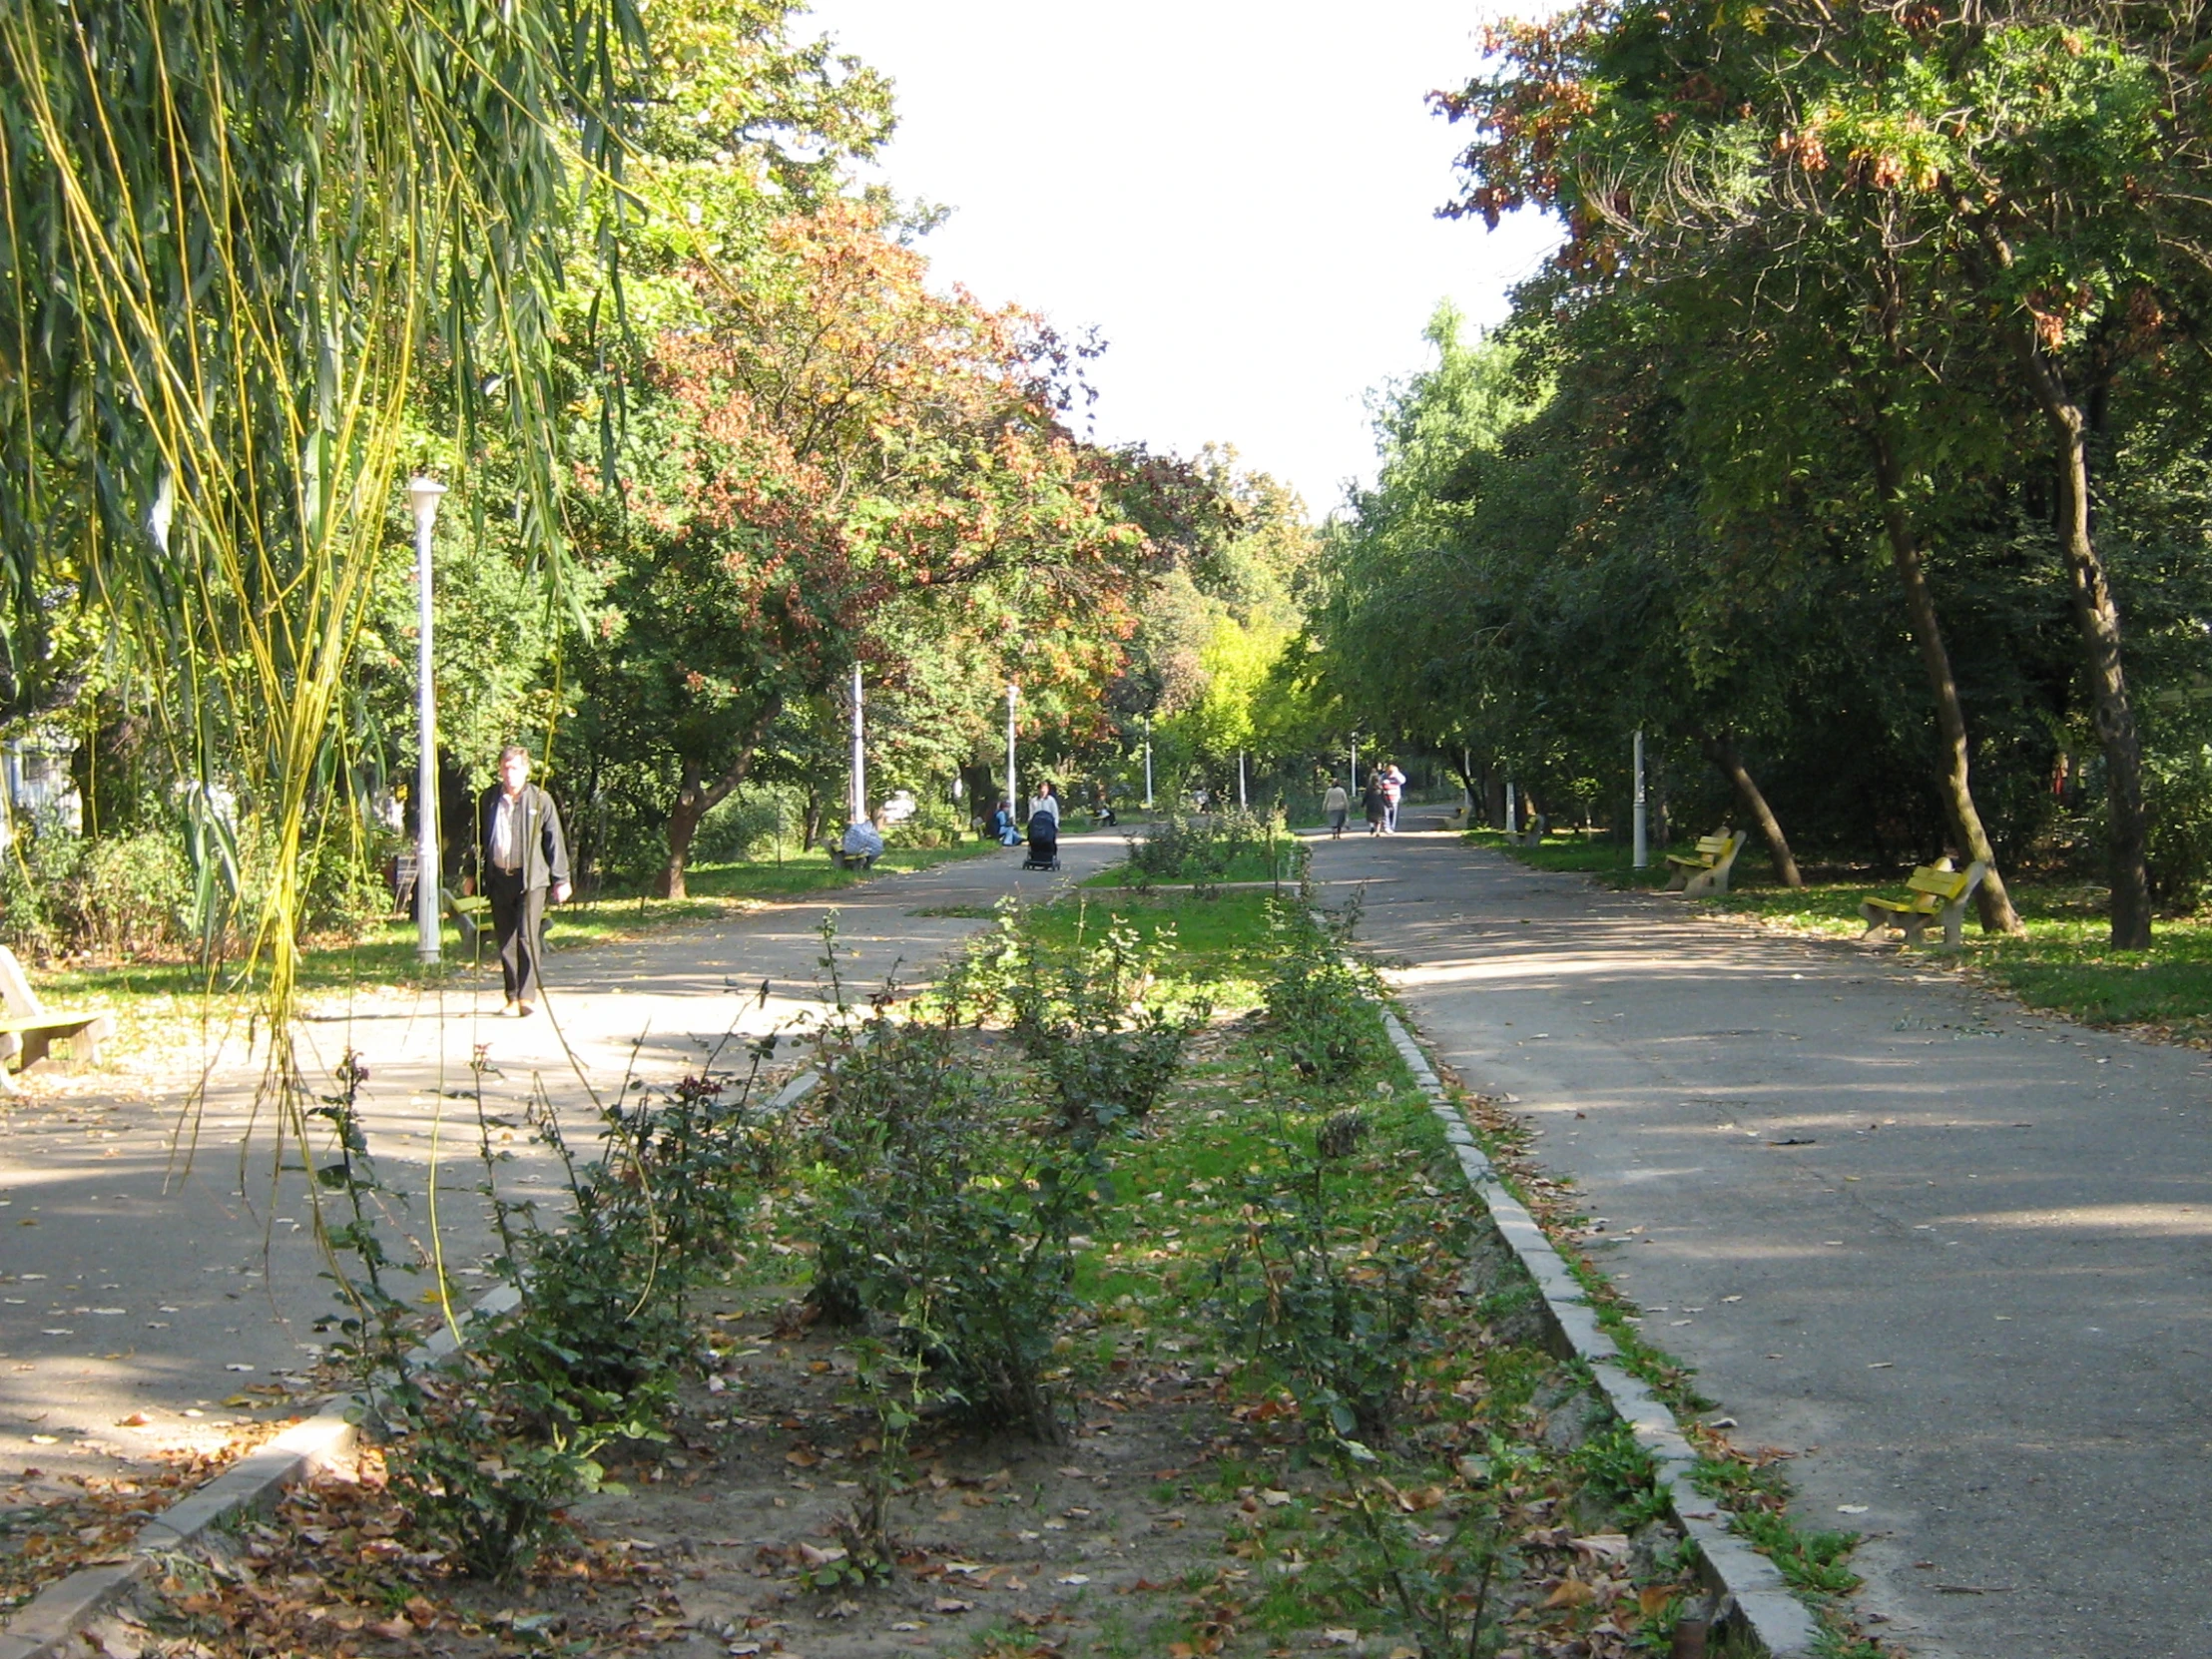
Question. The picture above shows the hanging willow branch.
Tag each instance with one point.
(233, 238)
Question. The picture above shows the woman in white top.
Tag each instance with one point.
(1047, 799)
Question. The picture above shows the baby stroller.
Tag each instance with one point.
(1044, 842)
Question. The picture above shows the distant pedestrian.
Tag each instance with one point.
(518, 838)
(1394, 790)
(1046, 800)
(1335, 805)
(1377, 809)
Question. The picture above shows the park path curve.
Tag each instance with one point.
(130, 1290)
(1953, 1256)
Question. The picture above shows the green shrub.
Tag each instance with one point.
(1319, 1004)
(1108, 1045)
(1341, 1334)
(941, 1225)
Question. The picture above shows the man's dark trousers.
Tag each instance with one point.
(518, 922)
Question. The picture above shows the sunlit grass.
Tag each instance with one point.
(385, 958)
(2063, 966)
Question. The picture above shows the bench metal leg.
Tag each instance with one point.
(1954, 925)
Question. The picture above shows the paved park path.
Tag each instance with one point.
(130, 1286)
(1954, 1255)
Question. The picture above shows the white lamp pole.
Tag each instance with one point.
(1013, 793)
(1643, 849)
(422, 496)
(1148, 762)
(1355, 763)
(1513, 810)
(859, 755)
(1241, 800)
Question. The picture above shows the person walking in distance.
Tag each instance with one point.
(1336, 806)
(1394, 790)
(518, 838)
(1371, 802)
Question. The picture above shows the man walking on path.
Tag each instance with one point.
(518, 833)
(1954, 1254)
(1394, 790)
(1335, 805)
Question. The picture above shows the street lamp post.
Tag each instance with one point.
(1355, 763)
(1013, 794)
(1148, 762)
(422, 496)
(859, 755)
(1241, 800)
(1643, 846)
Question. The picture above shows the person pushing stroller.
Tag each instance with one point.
(1044, 841)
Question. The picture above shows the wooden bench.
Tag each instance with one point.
(1706, 869)
(472, 915)
(851, 860)
(1932, 891)
(28, 1028)
(1533, 835)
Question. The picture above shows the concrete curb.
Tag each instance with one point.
(1765, 1613)
(44, 1626)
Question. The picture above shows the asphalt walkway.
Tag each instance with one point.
(137, 1286)
(1952, 1255)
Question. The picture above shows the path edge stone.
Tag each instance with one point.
(45, 1626)
(1755, 1598)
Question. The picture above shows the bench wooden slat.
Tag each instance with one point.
(1930, 892)
(1945, 885)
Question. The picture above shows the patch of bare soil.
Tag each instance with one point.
(1001, 1536)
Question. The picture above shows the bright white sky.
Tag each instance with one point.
(1238, 193)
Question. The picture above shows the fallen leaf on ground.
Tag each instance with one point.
(1571, 1592)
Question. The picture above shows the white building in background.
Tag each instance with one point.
(36, 787)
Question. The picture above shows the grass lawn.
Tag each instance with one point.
(145, 993)
(1224, 944)
(2063, 966)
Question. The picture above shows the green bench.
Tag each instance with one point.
(1932, 893)
(1706, 869)
(472, 915)
(29, 1029)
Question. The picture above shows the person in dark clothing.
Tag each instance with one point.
(1376, 805)
(518, 839)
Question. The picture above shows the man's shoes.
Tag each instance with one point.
(508, 1012)
(523, 1011)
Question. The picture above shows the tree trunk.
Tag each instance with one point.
(1720, 750)
(683, 823)
(2127, 835)
(1990, 899)
(695, 799)
(981, 786)
(810, 817)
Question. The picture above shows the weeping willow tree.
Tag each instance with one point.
(234, 242)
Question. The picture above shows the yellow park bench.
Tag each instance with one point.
(1932, 891)
(1706, 869)
(472, 915)
(28, 1028)
(1533, 835)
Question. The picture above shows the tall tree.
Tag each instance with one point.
(229, 236)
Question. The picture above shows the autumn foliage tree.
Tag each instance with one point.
(825, 452)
